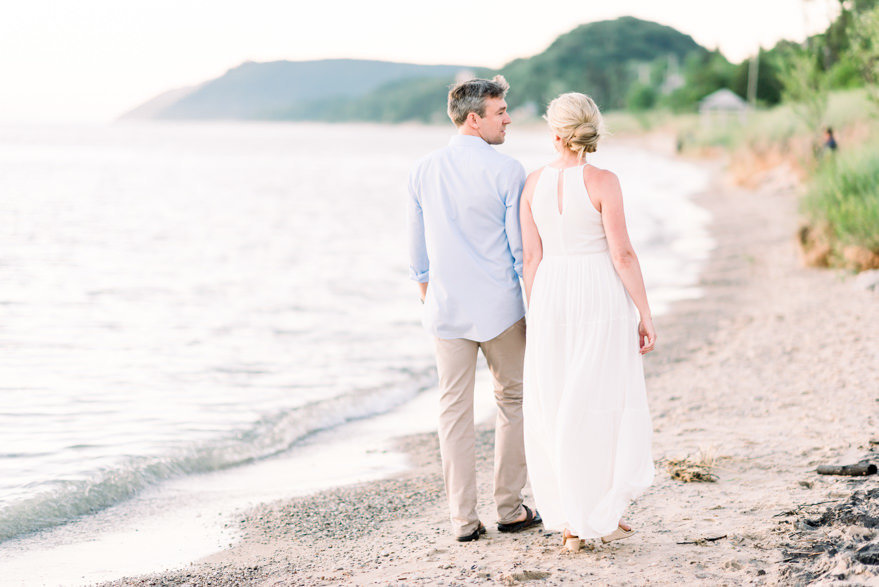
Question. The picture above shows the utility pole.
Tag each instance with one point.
(753, 72)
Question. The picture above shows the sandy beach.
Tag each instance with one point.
(772, 372)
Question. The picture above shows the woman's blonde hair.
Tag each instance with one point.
(576, 119)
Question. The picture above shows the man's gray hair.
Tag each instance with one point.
(469, 96)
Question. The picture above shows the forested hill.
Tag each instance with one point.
(607, 59)
(282, 89)
(603, 59)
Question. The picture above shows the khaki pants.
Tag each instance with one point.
(456, 366)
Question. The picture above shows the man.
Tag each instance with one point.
(466, 255)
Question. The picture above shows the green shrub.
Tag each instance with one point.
(844, 194)
(641, 97)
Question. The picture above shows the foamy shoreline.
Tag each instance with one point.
(774, 369)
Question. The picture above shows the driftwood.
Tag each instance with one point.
(856, 470)
(703, 540)
(799, 555)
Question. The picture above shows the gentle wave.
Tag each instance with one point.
(270, 436)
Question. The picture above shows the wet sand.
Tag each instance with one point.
(774, 371)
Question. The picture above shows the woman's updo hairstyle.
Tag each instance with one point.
(576, 119)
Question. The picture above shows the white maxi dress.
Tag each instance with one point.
(587, 424)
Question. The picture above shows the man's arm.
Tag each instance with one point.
(512, 221)
(419, 264)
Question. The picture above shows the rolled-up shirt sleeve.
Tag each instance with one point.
(512, 224)
(419, 264)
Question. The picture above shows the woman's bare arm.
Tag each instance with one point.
(605, 186)
(532, 247)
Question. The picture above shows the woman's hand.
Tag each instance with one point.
(646, 335)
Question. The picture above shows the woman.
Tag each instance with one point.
(587, 426)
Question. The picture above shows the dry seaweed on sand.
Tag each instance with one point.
(694, 470)
(837, 544)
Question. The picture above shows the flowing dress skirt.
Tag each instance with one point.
(587, 424)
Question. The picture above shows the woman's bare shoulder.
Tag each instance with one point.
(535, 175)
(600, 179)
(599, 174)
(531, 181)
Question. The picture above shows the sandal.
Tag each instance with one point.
(531, 519)
(617, 534)
(473, 535)
(570, 542)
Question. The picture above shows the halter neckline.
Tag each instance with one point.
(564, 168)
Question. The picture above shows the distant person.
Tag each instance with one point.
(466, 255)
(829, 140)
(587, 424)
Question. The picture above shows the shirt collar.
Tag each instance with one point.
(468, 141)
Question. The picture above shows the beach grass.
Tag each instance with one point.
(841, 190)
(764, 127)
(843, 195)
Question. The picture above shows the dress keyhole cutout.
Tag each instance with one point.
(561, 190)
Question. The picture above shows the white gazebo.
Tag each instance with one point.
(722, 107)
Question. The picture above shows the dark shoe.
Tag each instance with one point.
(473, 535)
(531, 519)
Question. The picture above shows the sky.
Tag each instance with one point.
(92, 60)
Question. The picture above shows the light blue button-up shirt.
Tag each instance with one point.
(464, 237)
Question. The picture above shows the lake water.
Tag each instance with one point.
(179, 299)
